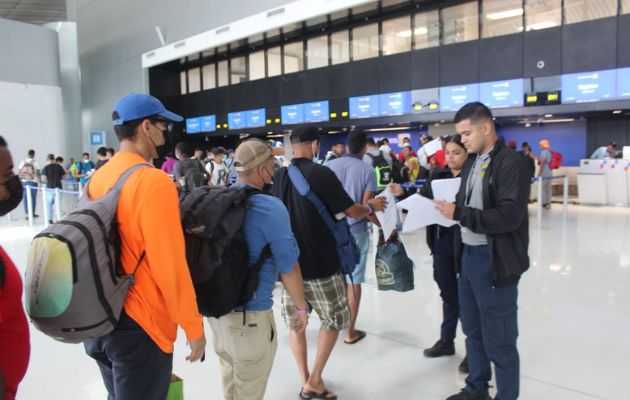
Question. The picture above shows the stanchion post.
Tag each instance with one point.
(29, 204)
(80, 189)
(58, 203)
(565, 194)
(539, 202)
(45, 195)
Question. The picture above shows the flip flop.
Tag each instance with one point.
(312, 395)
(360, 335)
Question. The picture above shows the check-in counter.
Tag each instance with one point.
(592, 187)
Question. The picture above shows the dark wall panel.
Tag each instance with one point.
(338, 76)
(590, 45)
(623, 41)
(603, 131)
(425, 68)
(316, 84)
(501, 58)
(546, 46)
(459, 63)
(393, 72)
(363, 77)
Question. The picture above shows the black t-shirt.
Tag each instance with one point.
(54, 174)
(318, 254)
(100, 163)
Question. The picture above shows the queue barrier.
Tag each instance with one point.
(45, 193)
(565, 193)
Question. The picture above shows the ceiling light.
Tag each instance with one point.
(398, 128)
(417, 31)
(551, 121)
(528, 125)
(505, 14)
(617, 112)
(541, 25)
(548, 115)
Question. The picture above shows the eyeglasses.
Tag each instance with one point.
(168, 125)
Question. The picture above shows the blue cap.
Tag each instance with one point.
(140, 105)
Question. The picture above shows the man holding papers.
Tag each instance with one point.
(491, 252)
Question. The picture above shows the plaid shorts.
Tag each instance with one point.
(328, 297)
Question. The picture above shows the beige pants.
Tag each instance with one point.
(246, 353)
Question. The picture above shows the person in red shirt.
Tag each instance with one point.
(14, 335)
(439, 158)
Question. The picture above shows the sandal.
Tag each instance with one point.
(312, 395)
(360, 336)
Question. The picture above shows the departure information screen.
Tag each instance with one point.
(237, 120)
(208, 123)
(588, 86)
(502, 94)
(452, 98)
(316, 112)
(193, 125)
(623, 82)
(398, 103)
(255, 118)
(293, 114)
(364, 106)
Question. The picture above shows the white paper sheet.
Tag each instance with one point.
(421, 213)
(389, 217)
(445, 189)
(432, 147)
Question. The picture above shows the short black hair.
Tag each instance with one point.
(339, 143)
(127, 131)
(408, 147)
(86, 154)
(475, 112)
(613, 145)
(59, 159)
(219, 150)
(102, 151)
(51, 157)
(31, 153)
(457, 139)
(3, 143)
(183, 148)
(385, 140)
(371, 141)
(111, 150)
(357, 140)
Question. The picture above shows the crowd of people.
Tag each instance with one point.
(477, 263)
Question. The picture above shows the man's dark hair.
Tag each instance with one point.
(613, 145)
(127, 131)
(59, 159)
(86, 154)
(371, 141)
(3, 143)
(102, 151)
(198, 149)
(339, 143)
(31, 153)
(111, 150)
(357, 140)
(51, 157)
(408, 147)
(385, 141)
(475, 112)
(218, 151)
(183, 148)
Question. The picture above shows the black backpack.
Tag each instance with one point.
(384, 171)
(192, 171)
(216, 251)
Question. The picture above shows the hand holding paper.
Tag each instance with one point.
(389, 216)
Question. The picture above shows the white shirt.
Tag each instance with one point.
(35, 168)
(218, 173)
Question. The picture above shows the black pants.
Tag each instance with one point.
(132, 365)
(446, 278)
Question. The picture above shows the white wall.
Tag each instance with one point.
(31, 117)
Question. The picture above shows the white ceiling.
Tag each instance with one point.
(33, 11)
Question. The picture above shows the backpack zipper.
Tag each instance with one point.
(101, 225)
(84, 328)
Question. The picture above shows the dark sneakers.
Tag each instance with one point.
(463, 367)
(440, 349)
(464, 395)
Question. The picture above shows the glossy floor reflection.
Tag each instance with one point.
(574, 321)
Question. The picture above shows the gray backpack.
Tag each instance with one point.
(73, 285)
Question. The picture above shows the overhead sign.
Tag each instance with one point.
(255, 118)
(501, 94)
(623, 82)
(237, 120)
(588, 86)
(292, 114)
(425, 100)
(398, 103)
(193, 125)
(316, 112)
(364, 106)
(208, 123)
(97, 138)
(452, 98)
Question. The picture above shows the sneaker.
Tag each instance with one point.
(439, 349)
(464, 395)
(35, 216)
(463, 367)
(50, 221)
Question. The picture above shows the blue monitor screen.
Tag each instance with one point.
(293, 114)
(208, 123)
(502, 93)
(316, 112)
(452, 98)
(623, 82)
(193, 125)
(237, 120)
(398, 103)
(588, 86)
(256, 118)
(364, 107)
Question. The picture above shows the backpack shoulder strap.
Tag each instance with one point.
(304, 189)
(372, 156)
(120, 182)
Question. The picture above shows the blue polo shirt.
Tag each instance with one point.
(267, 222)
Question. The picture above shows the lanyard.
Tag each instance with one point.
(471, 184)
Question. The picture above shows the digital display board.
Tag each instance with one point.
(293, 114)
(255, 118)
(502, 94)
(364, 106)
(208, 123)
(398, 103)
(587, 87)
(425, 100)
(237, 120)
(193, 125)
(316, 112)
(623, 82)
(452, 98)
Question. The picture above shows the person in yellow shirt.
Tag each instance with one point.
(136, 358)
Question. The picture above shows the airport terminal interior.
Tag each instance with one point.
(555, 75)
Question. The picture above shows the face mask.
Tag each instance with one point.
(14, 187)
(267, 186)
(162, 150)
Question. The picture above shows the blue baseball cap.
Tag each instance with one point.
(139, 105)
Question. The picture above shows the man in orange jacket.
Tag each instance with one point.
(136, 358)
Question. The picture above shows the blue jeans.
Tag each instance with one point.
(50, 200)
(489, 320)
(29, 185)
(446, 278)
(132, 365)
(363, 241)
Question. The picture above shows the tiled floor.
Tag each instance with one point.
(574, 327)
